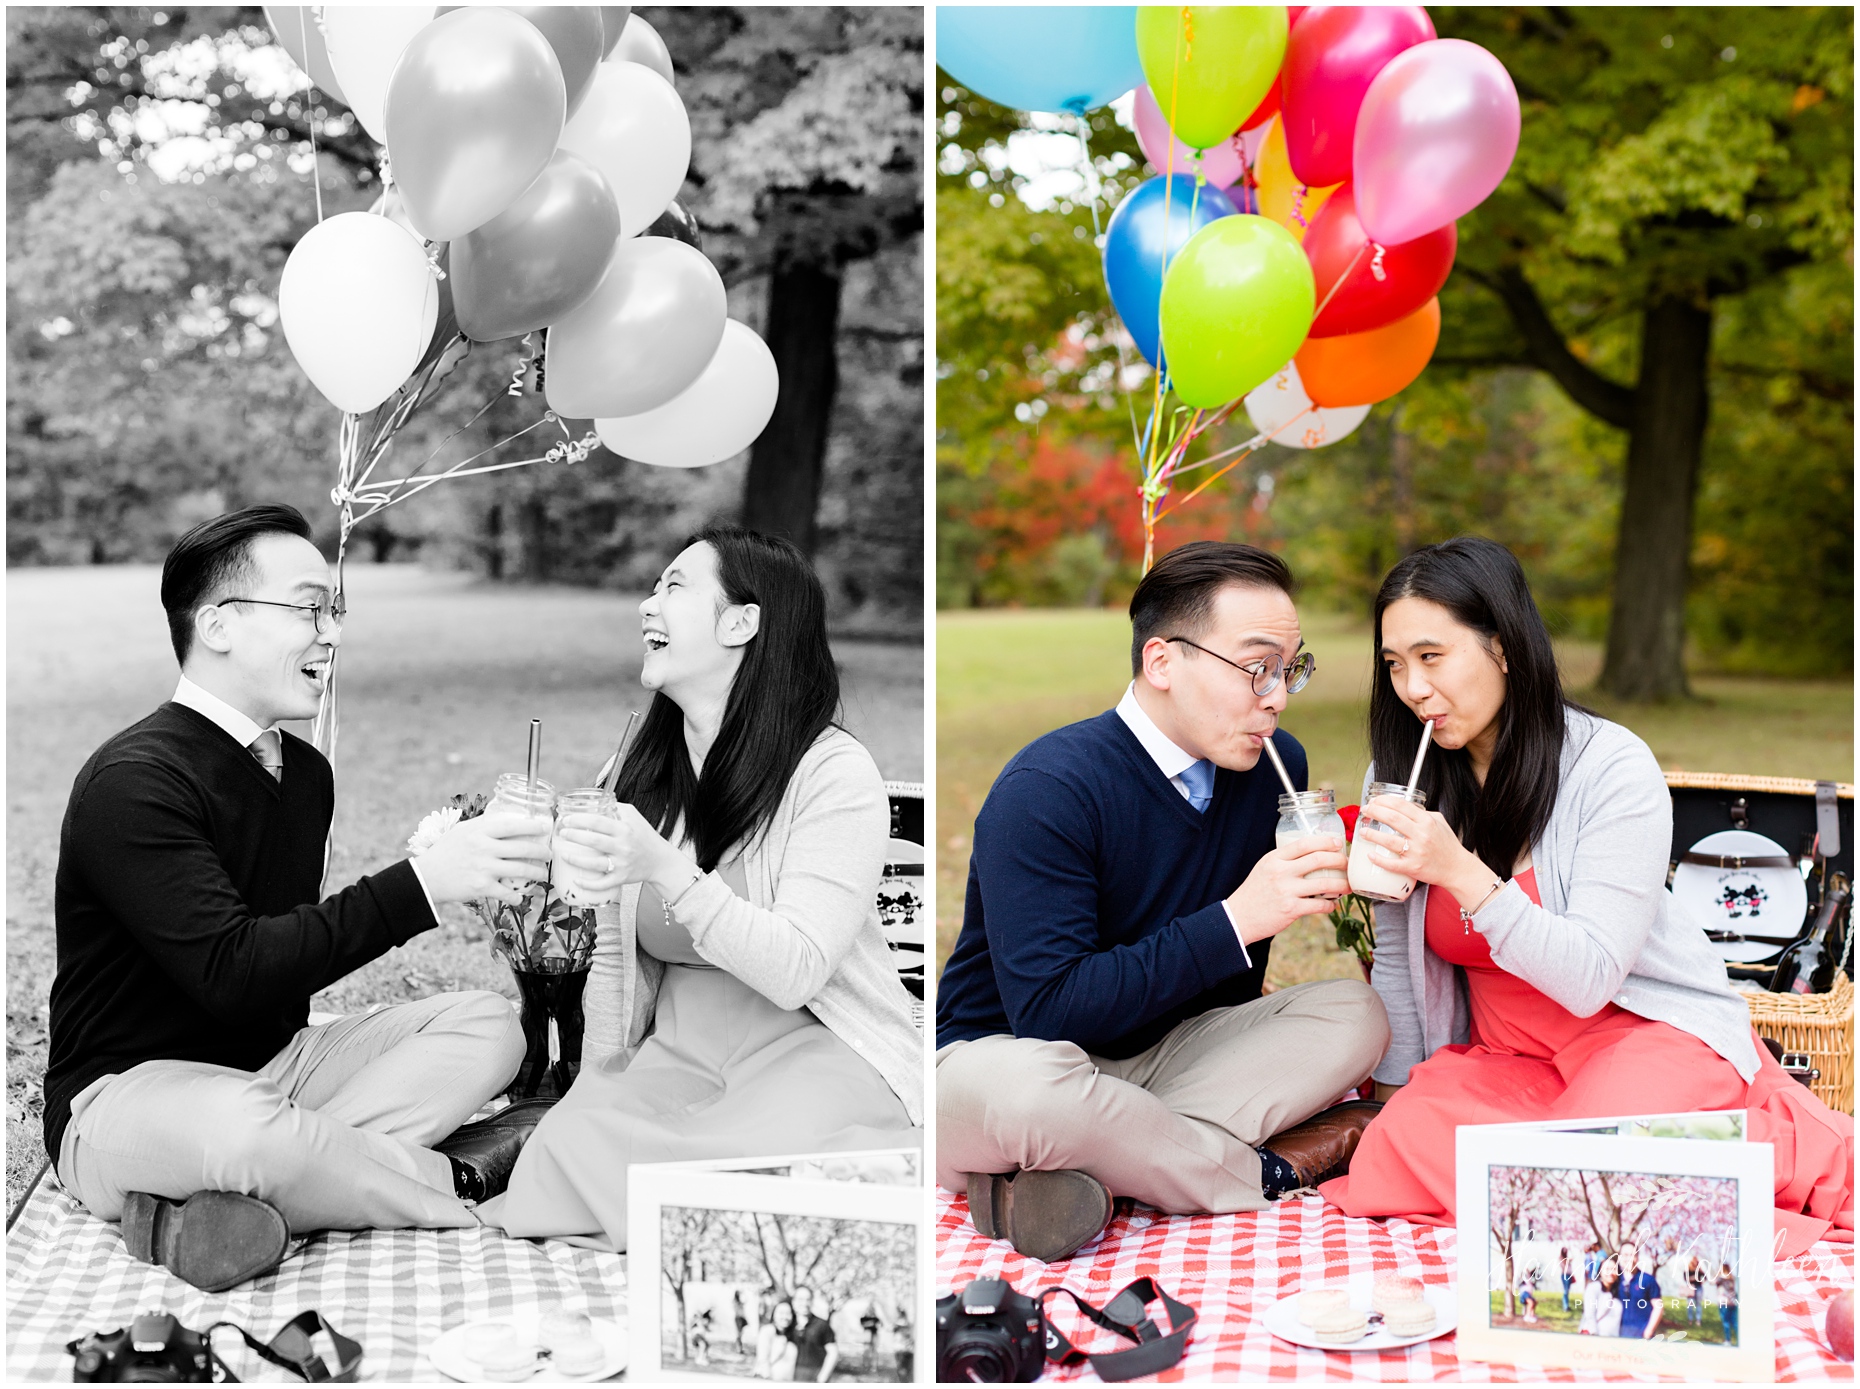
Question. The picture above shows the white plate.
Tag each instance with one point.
(1282, 1320)
(1764, 901)
(449, 1358)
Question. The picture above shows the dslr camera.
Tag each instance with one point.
(989, 1334)
(153, 1349)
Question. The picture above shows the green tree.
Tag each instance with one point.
(1674, 161)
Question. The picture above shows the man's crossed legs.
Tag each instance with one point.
(1178, 1126)
(335, 1131)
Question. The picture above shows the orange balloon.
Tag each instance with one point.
(1281, 196)
(1362, 368)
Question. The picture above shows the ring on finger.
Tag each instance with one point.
(610, 863)
(1403, 851)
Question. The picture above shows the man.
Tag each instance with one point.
(815, 1351)
(1639, 1291)
(186, 1094)
(1100, 1024)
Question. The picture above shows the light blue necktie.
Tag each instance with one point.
(1198, 777)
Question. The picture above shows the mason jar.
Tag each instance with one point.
(570, 885)
(1367, 877)
(1311, 815)
(515, 793)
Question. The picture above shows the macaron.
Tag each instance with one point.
(555, 1328)
(582, 1355)
(1415, 1318)
(509, 1362)
(1392, 1288)
(1340, 1326)
(1319, 1301)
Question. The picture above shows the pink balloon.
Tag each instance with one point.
(1333, 54)
(1222, 164)
(1438, 130)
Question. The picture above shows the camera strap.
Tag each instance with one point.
(1124, 1314)
(293, 1349)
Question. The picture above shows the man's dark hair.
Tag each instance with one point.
(1177, 596)
(214, 560)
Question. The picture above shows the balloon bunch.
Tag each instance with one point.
(1312, 161)
(533, 154)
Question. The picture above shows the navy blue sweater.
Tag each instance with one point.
(1094, 909)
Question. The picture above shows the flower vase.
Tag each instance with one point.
(551, 995)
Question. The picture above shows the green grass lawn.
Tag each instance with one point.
(440, 677)
(1005, 677)
(1552, 1317)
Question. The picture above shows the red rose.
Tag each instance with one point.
(1348, 815)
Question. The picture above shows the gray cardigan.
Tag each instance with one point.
(1606, 932)
(808, 936)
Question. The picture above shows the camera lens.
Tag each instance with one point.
(979, 1355)
(149, 1372)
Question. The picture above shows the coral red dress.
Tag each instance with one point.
(1532, 1059)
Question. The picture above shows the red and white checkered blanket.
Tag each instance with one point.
(1230, 1268)
(394, 1291)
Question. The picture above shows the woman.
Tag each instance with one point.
(775, 1350)
(1695, 1291)
(1527, 1295)
(1601, 1309)
(742, 1000)
(1567, 1272)
(1538, 970)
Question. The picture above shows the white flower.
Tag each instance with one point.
(431, 828)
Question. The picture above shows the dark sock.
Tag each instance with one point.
(1276, 1175)
(466, 1183)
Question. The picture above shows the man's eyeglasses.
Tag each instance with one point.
(326, 615)
(1266, 672)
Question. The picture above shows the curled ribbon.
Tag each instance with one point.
(1375, 266)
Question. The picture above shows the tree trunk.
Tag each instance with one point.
(782, 492)
(1647, 628)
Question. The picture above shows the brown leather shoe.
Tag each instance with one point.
(214, 1239)
(1320, 1148)
(490, 1146)
(1044, 1215)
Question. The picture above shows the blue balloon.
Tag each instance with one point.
(1064, 58)
(1146, 232)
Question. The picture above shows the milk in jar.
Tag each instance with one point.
(1367, 877)
(1311, 815)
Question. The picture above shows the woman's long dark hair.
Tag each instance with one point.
(786, 691)
(1482, 585)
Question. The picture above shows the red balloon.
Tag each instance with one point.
(1268, 108)
(1333, 54)
(1411, 273)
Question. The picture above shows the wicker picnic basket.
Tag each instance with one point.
(1822, 1025)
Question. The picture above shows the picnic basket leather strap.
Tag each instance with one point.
(1738, 860)
(1124, 1314)
(293, 1349)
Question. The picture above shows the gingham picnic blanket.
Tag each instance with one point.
(394, 1291)
(1231, 1268)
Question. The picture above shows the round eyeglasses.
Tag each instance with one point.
(1266, 672)
(327, 616)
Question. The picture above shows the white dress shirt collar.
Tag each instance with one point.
(1166, 754)
(238, 726)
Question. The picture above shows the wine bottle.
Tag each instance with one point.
(1808, 965)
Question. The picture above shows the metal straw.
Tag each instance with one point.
(612, 778)
(1420, 756)
(1286, 778)
(535, 750)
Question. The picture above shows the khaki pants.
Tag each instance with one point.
(335, 1131)
(1175, 1126)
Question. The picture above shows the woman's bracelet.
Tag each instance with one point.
(679, 896)
(1466, 915)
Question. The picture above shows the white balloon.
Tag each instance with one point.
(365, 42)
(633, 128)
(716, 417)
(640, 43)
(1280, 408)
(358, 303)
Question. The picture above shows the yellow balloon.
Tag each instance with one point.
(1282, 197)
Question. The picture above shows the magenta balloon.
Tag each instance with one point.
(474, 110)
(575, 33)
(541, 257)
(1438, 131)
(642, 337)
(1333, 54)
(1222, 164)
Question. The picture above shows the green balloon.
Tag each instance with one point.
(1236, 304)
(1210, 66)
